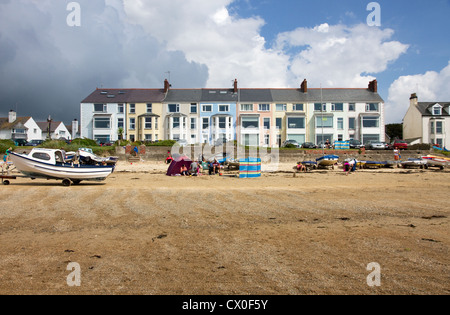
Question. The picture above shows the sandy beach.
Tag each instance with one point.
(141, 232)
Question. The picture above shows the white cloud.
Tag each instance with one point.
(340, 56)
(230, 46)
(431, 86)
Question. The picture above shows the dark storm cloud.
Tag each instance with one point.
(47, 67)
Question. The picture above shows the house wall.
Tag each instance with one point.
(33, 132)
(140, 132)
(260, 132)
(87, 116)
(214, 131)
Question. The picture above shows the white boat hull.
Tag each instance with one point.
(36, 169)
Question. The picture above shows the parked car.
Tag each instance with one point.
(34, 143)
(309, 145)
(375, 145)
(291, 143)
(356, 144)
(399, 144)
(20, 142)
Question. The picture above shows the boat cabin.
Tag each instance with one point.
(50, 156)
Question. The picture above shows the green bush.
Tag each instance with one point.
(5, 145)
(85, 142)
(420, 146)
(165, 143)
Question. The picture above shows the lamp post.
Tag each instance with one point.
(49, 121)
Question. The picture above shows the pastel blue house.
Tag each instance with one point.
(218, 115)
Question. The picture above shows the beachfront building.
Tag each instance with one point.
(344, 114)
(102, 115)
(218, 115)
(143, 115)
(19, 128)
(181, 115)
(427, 122)
(253, 117)
(255, 123)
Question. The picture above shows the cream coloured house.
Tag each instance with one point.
(427, 122)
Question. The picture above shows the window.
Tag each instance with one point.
(439, 127)
(207, 108)
(440, 142)
(351, 107)
(102, 123)
(433, 129)
(264, 107)
(100, 108)
(120, 123)
(132, 108)
(337, 107)
(340, 123)
(42, 156)
(372, 107)
(120, 108)
(103, 138)
(156, 123)
(149, 108)
(246, 107)
(132, 123)
(193, 123)
(371, 122)
(267, 123)
(352, 123)
(437, 110)
(325, 122)
(296, 123)
(176, 122)
(148, 123)
(279, 122)
(267, 140)
(281, 107)
(298, 107)
(367, 138)
(193, 108)
(320, 107)
(250, 122)
(224, 108)
(222, 122)
(205, 123)
(148, 137)
(173, 108)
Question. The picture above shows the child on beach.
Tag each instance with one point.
(184, 171)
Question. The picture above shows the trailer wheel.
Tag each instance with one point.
(77, 182)
(6, 182)
(66, 182)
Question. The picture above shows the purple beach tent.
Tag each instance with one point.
(177, 163)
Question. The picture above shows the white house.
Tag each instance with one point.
(19, 128)
(57, 131)
(427, 122)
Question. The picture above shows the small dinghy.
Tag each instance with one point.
(327, 161)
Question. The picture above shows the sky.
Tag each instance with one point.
(53, 53)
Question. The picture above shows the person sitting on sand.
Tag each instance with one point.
(194, 169)
(184, 171)
(301, 167)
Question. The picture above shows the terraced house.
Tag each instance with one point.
(253, 117)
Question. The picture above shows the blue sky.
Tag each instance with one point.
(47, 67)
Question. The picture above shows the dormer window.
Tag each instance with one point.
(437, 110)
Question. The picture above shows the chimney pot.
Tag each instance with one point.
(166, 86)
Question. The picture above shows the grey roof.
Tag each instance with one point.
(326, 96)
(255, 95)
(184, 95)
(103, 96)
(219, 95)
(425, 108)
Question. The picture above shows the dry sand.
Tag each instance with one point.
(140, 232)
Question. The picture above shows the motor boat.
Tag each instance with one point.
(52, 164)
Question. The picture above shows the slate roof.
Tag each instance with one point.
(103, 96)
(425, 108)
(5, 125)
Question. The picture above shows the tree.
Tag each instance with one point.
(120, 133)
(394, 131)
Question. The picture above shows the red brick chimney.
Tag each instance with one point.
(373, 86)
(235, 86)
(166, 86)
(304, 86)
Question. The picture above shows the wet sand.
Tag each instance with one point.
(141, 232)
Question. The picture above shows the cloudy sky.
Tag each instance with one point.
(48, 66)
